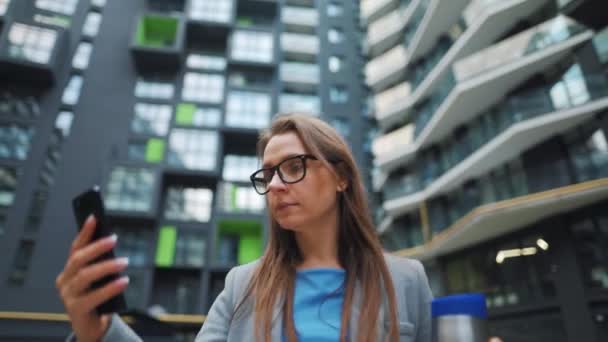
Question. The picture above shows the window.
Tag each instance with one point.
(342, 126)
(25, 107)
(134, 244)
(4, 6)
(211, 10)
(338, 94)
(600, 41)
(190, 249)
(130, 189)
(205, 62)
(300, 103)
(188, 204)
(203, 87)
(151, 119)
(239, 168)
(248, 109)
(91, 24)
(150, 151)
(335, 36)
(154, 89)
(32, 43)
(71, 93)
(66, 7)
(238, 198)
(335, 63)
(193, 149)
(98, 3)
(334, 9)
(2, 224)
(252, 46)
(21, 263)
(82, 55)
(241, 78)
(188, 114)
(8, 185)
(63, 123)
(36, 210)
(15, 141)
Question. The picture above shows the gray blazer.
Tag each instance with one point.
(413, 305)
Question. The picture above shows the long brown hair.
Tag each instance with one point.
(359, 250)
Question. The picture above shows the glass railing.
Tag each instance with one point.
(302, 43)
(427, 109)
(540, 37)
(300, 16)
(414, 23)
(299, 72)
(571, 91)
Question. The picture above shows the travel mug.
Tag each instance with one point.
(460, 318)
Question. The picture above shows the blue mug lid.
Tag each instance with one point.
(472, 304)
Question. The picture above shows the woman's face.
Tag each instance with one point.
(308, 202)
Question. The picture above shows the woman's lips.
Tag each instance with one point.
(285, 206)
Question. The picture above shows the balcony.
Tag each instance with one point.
(299, 76)
(519, 123)
(385, 145)
(300, 47)
(374, 9)
(386, 69)
(439, 17)
(508, 216)
(390, 100)
(387, 31)
(32, 53)
(300, 103)
(299, 19)
(158, 42)
(485, 22)
(484, 78)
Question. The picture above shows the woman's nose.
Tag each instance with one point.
(276, 183)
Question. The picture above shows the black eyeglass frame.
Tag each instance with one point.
(277, 169)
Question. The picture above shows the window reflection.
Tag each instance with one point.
(248, 109)
(151, 119)
(31, 42)
(66, 7)
(15, 141)
(211, 10)
(193, 149)
(203, 87)
(188, 204)
(130, 189)
(8, 186)
(252, 46)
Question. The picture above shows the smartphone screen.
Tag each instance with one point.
(85, 204)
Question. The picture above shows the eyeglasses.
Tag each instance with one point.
(290, 170)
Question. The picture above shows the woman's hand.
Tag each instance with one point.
(77, 276)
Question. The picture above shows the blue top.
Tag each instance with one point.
(317, 309)
(472, 304)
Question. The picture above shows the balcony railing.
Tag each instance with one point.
(299, 16)
(573, 91)
(386, 101)
(399, 138)
(379, 70)
(297, 43)
(511, 50)
(538, 38)
(299, 73)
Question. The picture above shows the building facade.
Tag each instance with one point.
(492, 155)
(159, 102)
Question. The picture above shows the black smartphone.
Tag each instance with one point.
(85, 204)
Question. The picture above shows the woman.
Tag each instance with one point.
(323, 275)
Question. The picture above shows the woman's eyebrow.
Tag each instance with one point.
(269, 164)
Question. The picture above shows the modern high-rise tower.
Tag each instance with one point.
(492, 154)
(159, 102)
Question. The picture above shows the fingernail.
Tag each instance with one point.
(112, 238)
(90, 218)
(123, 261)
(123, 280)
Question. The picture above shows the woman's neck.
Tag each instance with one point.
(318, 245)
